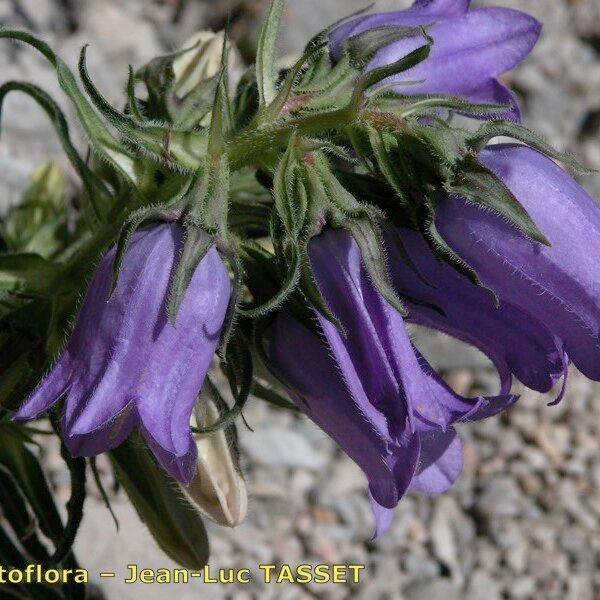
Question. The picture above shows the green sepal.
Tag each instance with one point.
(367, 235)
(480, 186)
(266, 53)
(272, 397)
(443, 250)
(220, 119)
(375, 76)
(273, 110)
(493, 129)
(172, 520)
(140, 218)
(417, 105)
(363, 47)
(291, 278)
(288, 192)
(238, 368)
(388, 166)
(197, 243)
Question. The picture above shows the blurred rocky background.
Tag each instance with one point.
(524, 519)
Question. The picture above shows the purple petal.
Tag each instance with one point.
(422, 12)
(109, 436)
(468, 52)
(182, 467)
(171, 378)
(48, 392)
(560, 283)
(383, 517)
(342, 410)
(513, 339)
(442, 406)
(440, 463)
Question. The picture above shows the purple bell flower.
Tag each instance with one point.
(127, 366)
(471, 48)
(558, 285)
(439, 297)
(370, 389)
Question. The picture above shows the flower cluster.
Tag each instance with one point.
(304, 219)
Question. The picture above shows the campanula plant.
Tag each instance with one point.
(303, 218)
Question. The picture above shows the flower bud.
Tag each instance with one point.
(201, 59)
(218, 488)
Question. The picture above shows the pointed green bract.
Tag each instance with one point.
(266, 53)
(479, 185)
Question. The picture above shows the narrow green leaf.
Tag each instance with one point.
(102, 141)
(176, 149)
(102, 490)
(29, 274)
(266, 53)
(97, 193)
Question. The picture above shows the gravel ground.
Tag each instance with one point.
(522, 522)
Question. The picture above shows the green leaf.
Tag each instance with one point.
(29, 274)
(171, 519)
(27, 473)
(102, 141)
(480, 186)
(97, 192)
(22, 522)
(266, 53)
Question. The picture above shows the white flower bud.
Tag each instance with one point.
(201, 60)
(218, 488)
